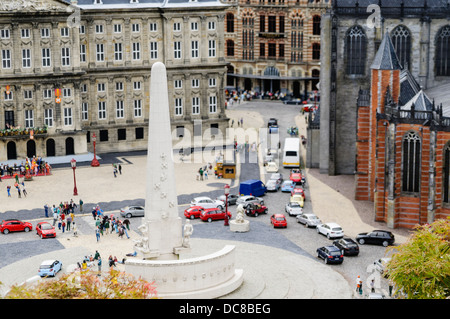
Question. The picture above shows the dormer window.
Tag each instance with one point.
(98, 2)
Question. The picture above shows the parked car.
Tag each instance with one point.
(331, 230)
(245, 200)
(348, 246)
(330, 254)
(298, 190)
(377, 237)
(254, 209)
(298, 198)
(271, 167)
(278, 220)
(232, 198)
(132, 211)
(293, 208)
(208, 215)
(309, 220)
(272, 122)
(49, 268)
(292, 101)
(272, 185)
(45, 230)
(193, 212)
(287, 186)
(207, 202)
(12, 225)
(295, 175)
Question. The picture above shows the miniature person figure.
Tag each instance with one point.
(188, 230)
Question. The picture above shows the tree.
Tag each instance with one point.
(86, 285)
(420, 268)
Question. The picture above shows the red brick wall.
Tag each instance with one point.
(362, 154)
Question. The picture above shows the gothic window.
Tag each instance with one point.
(411, 156)
(356, 45)
(443, 52)
(401, 39)
(316, 51)
(316, 25)
(230, 22)
(230, 48)
(446, 174)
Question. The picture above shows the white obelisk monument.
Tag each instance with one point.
(162, 227)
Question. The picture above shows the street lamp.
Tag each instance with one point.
(227, 192)
(73, 163)
(94, 162)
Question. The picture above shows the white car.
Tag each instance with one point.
(331, 230)
(207, 202)
(272, 185)
(380, 264)
(309, 220)
(245, 200)
(293, 209)
(271, 167)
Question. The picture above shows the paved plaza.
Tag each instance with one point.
(259, 252)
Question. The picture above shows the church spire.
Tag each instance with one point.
(386, 57)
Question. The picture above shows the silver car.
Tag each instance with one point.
(309, 220)
(272, 185)
(231, 199)
(293, 208)
(132, 211)
(207, 202)
(245, 200)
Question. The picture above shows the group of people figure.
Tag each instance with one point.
(34, 166)
(90, 261)
(105, 224)
(63, 215)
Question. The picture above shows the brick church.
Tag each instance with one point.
(402, 146)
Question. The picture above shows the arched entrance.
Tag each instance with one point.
(50, 147)
(70, 147)
(31, 148)
(296, 89)
(11, 150)
(271, 85)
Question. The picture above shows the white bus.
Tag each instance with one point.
(291, 152)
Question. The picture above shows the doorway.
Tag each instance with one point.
(50, 147)
(31, 148)
(11, 150)
(70, 147)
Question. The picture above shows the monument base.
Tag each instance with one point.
(206, 277)
(239, 227)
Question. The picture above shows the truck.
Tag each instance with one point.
(252, 187)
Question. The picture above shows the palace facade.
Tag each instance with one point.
(274, 45)
(72, 69)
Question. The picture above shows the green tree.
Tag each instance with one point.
(86, 285)
(420, 268)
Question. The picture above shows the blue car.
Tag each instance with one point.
(330, 254)
(49, 268)
(287, 186)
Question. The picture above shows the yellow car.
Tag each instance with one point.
(298, 198)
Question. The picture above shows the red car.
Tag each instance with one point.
(295, 176)
(208, 215)
(298, 190)
(193, 212)
(255, 209)
(278, 220)
(45, 230)
(10, 225)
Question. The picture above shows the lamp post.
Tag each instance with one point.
(227, 192)
(73, 163)
(94, 162)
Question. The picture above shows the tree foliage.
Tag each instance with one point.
(86, 285)
(420, 268)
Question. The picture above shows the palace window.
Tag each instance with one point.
(401, 39)
(230, 48)
(356, 43)
(443, 52)
(316, 25)
(411, 155)
(230, 22)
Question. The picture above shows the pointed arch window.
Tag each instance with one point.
(356, 47)
(443, 52)
(411, 159)
(401, 39)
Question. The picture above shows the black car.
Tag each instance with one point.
(377, 237)
(348, 246)
(272, 122)
(330, 254)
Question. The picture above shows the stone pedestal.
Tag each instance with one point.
(239, 227)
